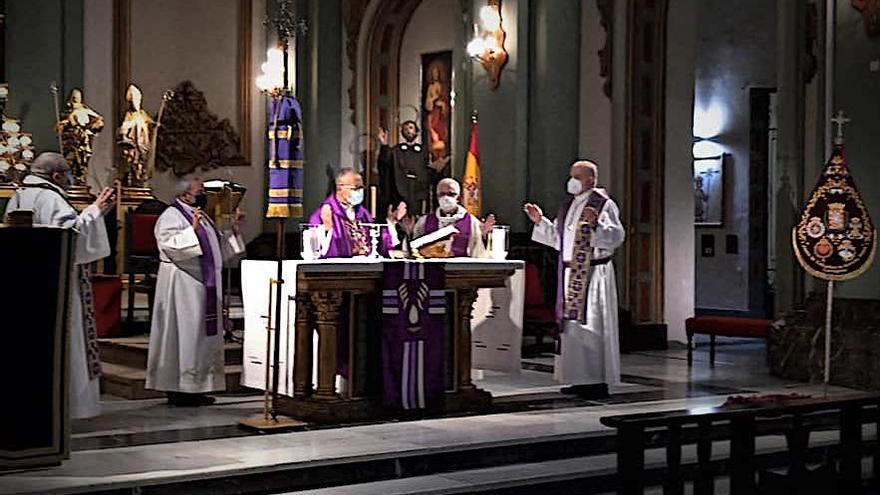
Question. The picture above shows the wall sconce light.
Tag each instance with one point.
(487, 47)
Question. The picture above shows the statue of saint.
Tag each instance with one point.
(134, 137)
(78, 127)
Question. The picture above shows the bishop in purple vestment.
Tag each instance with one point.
(340, 218)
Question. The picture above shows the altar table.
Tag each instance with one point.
(317, 296)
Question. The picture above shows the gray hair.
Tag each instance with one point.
(592, 167)
(344, 172)
(48, 163)
(183, 185)
(452, 183)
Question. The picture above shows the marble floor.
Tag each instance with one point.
(135, 441)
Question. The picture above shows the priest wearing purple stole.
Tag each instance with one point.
(586, 232)
(468, 242)
(185, 357)
(340, 217)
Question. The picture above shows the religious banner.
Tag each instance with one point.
(413, 321)
(436, 107)
(285, 158)
(472, 193)
(835, 238)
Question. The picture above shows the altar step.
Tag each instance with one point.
(124, 367)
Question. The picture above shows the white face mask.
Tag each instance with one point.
(356, 197)
(447, 203)
(574, 186)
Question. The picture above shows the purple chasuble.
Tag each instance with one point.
(342, 243)
(462, 239)
(206, 262)
(596, 200)
(413, 321)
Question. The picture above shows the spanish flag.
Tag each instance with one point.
(472, 199)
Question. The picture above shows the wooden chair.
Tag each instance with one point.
(539, 318)
(141, 253)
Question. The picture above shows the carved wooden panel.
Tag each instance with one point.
(191, 137)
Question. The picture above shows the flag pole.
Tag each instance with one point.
(829, 302)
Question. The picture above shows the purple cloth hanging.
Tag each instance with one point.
(207, 264)
(413, 322)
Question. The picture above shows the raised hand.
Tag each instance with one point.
(197, 218)
(534, 212)
(238, 221)
(382, 135)
(394, 215)
(591, 215)
(488, 224)
(105, 200)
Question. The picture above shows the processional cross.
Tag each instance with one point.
(840, 120)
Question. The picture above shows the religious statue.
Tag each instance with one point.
(135, 139)
(404, 172)
(78, 127)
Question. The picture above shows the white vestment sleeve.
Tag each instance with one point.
(477, 249)
(546, 233)
(609, 233)
(92, 243)
(324, 236)
(176, 237)
(233, 245)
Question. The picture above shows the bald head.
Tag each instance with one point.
(586, 172)
(53, 167)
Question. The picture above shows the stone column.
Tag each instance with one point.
(788, 178)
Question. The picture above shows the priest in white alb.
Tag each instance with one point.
(186, 337)
(468, 242)
(44, 192)
(586, 232)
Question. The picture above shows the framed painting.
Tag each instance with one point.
(709, 191)
(436, 107)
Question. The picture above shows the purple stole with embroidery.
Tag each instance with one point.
(206, 262)
(413, 319)
(349, 238)
(462, 239)
(596, 200)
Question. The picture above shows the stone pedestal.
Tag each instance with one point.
(796, 343)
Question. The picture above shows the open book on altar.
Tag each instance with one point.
(439, 235)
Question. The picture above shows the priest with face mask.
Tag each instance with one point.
(468, 242)
(341, 216)
(44, 192)
(185, 358)
(586, 232)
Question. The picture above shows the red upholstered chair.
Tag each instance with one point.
(141, 253)
(538, 317)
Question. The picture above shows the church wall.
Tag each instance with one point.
(735, 51)
(678, 260)
(166, 49)
(554, 106)
(503, 124)
(857, 93)
(44, 43)
(98, 83)
(595, 107)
